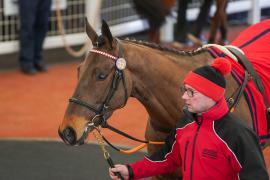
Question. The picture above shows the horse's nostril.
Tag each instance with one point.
(60, 134)
(69, 135)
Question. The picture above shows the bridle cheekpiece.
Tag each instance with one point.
(99, 119)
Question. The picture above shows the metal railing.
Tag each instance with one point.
(119, 14)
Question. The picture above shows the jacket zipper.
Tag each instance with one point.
(193, 149)
(185, 154)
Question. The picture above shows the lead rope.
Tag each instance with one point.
(106, 154)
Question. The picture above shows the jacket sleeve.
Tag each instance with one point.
(249, 162)
(165, 160)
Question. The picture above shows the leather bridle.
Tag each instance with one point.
(100, 113)
(100, 119)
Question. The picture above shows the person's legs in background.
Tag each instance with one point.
(180, 33)
(223, 26)
(201, 19)
(27, 11)
(40, 31)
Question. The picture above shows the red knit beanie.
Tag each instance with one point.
(209, 80)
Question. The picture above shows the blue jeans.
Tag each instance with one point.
(34, 18)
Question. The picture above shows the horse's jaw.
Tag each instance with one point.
(76, 129)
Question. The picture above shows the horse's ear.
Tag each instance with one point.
(91, 33)
(105, 30)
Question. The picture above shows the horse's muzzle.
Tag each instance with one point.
(68, 136)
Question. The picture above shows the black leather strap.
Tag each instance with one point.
(123, 133)
(255, 77)
(236, 98)
(130, 172)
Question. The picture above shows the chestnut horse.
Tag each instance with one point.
(156, 11)
(219, 21)
(117, 69)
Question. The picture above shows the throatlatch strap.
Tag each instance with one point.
(233, 102)
(257, 81)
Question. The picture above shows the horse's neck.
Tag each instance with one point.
(157, 76)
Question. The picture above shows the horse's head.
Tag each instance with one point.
(103, 86)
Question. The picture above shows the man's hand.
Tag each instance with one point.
(122, 169)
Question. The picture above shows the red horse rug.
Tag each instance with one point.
(255, 43)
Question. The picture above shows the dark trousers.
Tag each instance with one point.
(182, 26)
(202, 18)
(180, 33)
(34, 17)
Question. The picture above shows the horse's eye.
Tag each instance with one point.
(101, 76)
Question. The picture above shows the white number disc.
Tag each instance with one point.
(121, 63)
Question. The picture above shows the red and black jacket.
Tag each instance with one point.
(216, 145)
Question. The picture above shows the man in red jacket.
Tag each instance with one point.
(209, 143)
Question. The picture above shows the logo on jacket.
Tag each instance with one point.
(209, 153)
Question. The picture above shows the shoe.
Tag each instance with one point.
(177, 45)
(194, 40)
(223, 42)
(42, 67)
(28, 70)
(203, 39)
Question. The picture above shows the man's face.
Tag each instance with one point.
(195, 101)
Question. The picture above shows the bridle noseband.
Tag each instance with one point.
(100, 119)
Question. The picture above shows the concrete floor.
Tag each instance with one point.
(44, 160)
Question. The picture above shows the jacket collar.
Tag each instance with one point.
(215, 113)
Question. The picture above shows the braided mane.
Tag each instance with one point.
(166, 48)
